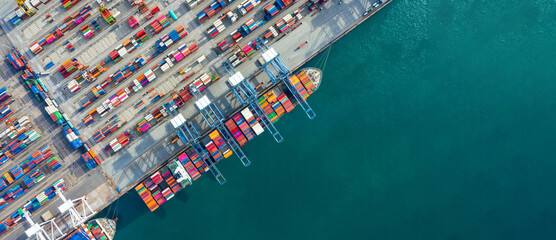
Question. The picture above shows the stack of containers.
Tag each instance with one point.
(98, 135)
(17, 60)
(74, 86)
(196, 159)
(189, 166)
(88, 160)
(247, 5)
(224, 45)
(270, 11)
(213, 150)
(71, 22)
(36, 48)
(285, 23)
(251, 25)
(23, 140)
(156, 178)
(71, 135)
(53, 163)
(3, 184)
(33, 178)
(115, 56)
(171, 181)
(283, 3)
(133, 23)
(4, 94)
(67, 68)
(236, 132)
(157, 115)
(306, 81)
(278, 108)
(96, 26)
(87, 32)
(36, 202)
(163, 21)
(88, 120)
(156, 27)
(244, 126)
(130, 45)
(119, 142)
(68, 4)
(16, 172)
(216, 28)
(141, 37)
(248, 49)
(286, 102)
(146, 196)
(202, 82)
(3, 225)
(298, 85)
(96, 230)
(272, 108)
(6, 111)
(35, 85)
(221, 144)
(89, 157)
(143, 126)
(3, 159)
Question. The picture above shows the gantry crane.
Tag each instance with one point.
(247, 95)
(38, 231)
(84, 70)
(277, 70)
(189, 135)
(106, 14)
(26, 7)
(78, 218)
(214, 119)
(14, 129)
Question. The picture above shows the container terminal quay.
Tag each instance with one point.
(102, 97)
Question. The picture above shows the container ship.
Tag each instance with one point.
(96, 229)
(188, 166)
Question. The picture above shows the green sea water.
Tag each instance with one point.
(436, 119)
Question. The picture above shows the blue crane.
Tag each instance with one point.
(214, 119)
(247, 95)
(189, 135)
(278, 70)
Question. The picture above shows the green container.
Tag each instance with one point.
(40, 83)
(38, 179)
(58, 115)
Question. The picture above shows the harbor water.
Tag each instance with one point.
(435, 120)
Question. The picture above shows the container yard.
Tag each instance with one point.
(147, 95)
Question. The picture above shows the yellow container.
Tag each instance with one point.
(8, 178)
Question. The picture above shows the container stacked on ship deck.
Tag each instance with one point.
(158, 188)
(243, 126)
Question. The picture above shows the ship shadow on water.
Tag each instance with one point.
(131, 205)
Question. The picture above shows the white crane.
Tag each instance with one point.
(78, 216)
(38, 230)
